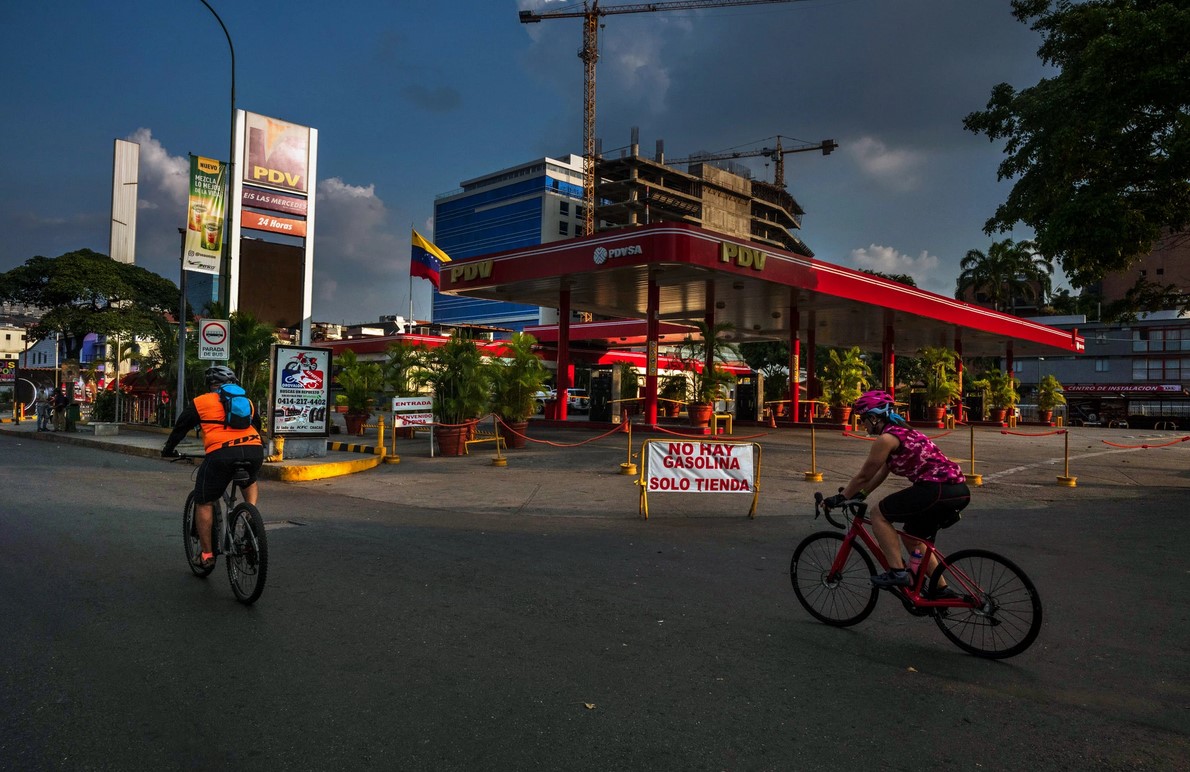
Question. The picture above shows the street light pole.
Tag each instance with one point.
(225, 273)
(179, 398)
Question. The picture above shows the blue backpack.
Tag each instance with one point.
(237, 408)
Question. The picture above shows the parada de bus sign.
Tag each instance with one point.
(214, 339)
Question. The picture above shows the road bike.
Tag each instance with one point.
(240, 538)
(980, 600)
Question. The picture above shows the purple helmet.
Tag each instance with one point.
(874, 402)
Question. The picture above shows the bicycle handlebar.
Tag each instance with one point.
(854, 508)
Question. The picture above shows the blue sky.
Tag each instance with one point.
(410, 98)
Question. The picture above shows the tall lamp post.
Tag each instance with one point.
(179, 398)
(225, 273)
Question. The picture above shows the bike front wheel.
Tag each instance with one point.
(248, 553)
(841, 598)
(1005, 616)
(190, 540)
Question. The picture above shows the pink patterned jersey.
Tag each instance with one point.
(919, 459)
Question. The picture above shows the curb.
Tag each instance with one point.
(294, 473)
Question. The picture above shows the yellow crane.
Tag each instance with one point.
(589, 53)
(776, 155)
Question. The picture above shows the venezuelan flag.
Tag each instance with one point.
(425, 259)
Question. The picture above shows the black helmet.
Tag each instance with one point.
(219, 375)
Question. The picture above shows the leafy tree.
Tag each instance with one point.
(1101, 151)
(84, 292)
(770, 357)
(1009, 270)
(251, 346)
(903, 278)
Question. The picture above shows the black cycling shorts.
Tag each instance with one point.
(217, 470)
(926, 507)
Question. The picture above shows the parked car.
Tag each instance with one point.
(577, 401)
(540, 398)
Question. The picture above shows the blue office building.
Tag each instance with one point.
(522, 206)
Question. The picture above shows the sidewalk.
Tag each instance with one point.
(146, 441)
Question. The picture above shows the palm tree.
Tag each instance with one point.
(1008, 271)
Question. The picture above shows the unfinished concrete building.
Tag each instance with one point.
(634, 190)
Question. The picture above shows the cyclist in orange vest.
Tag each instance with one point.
(224, 445)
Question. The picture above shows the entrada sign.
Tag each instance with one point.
(744, 257)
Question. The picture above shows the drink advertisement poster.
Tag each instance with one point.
(300, 390)
(204, 215)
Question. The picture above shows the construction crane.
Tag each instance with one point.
(776, 154)
(589, 53)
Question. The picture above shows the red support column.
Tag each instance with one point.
(960, 412)
(652, 333)
(888, 358)
(795, 356)
(812, 390)
(563, 375)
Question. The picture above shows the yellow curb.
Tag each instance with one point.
(320, 471)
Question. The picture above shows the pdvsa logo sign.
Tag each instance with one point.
(602, 255)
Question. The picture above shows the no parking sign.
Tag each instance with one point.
(214, 339)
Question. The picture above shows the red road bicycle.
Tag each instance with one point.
(981, 601)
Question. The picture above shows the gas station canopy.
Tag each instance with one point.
(766, 294)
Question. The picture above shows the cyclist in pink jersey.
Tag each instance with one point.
(937, 495)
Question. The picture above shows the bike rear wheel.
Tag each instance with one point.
(1007, 618)
(248, 554)
(190, 540)
(841, 599)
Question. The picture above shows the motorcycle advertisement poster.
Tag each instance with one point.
(300, 390)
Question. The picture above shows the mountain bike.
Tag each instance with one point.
(981, 601)
(240, 538)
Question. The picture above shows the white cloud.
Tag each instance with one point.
(895, 168)
(161, 175)
(924, 268)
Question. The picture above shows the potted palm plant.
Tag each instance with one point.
(845, 375)
(461, 383)
(673, 392)
(940, 376)
(360, 382)
(701, 358)
(999, 393)
(400, 366)
(516, 379)
(1049, 396)
(629, 387)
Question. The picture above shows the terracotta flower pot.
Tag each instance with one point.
(513, 433)
(452, 440)
(841, 413)
(355, 422)
(996, 414)
(700, 413)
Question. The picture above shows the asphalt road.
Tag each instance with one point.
(447, 614)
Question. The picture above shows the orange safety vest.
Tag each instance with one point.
(214, 434)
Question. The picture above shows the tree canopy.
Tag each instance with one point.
(1009, 270)
(1101, 151)
(84, 291)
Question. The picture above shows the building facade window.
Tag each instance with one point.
(563, 228)
(1102, 365)
(1160, 339)
(564, 208)
(1164, 369)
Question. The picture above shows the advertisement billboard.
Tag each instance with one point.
(278, 154)
(300, 391)
(204, 215)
